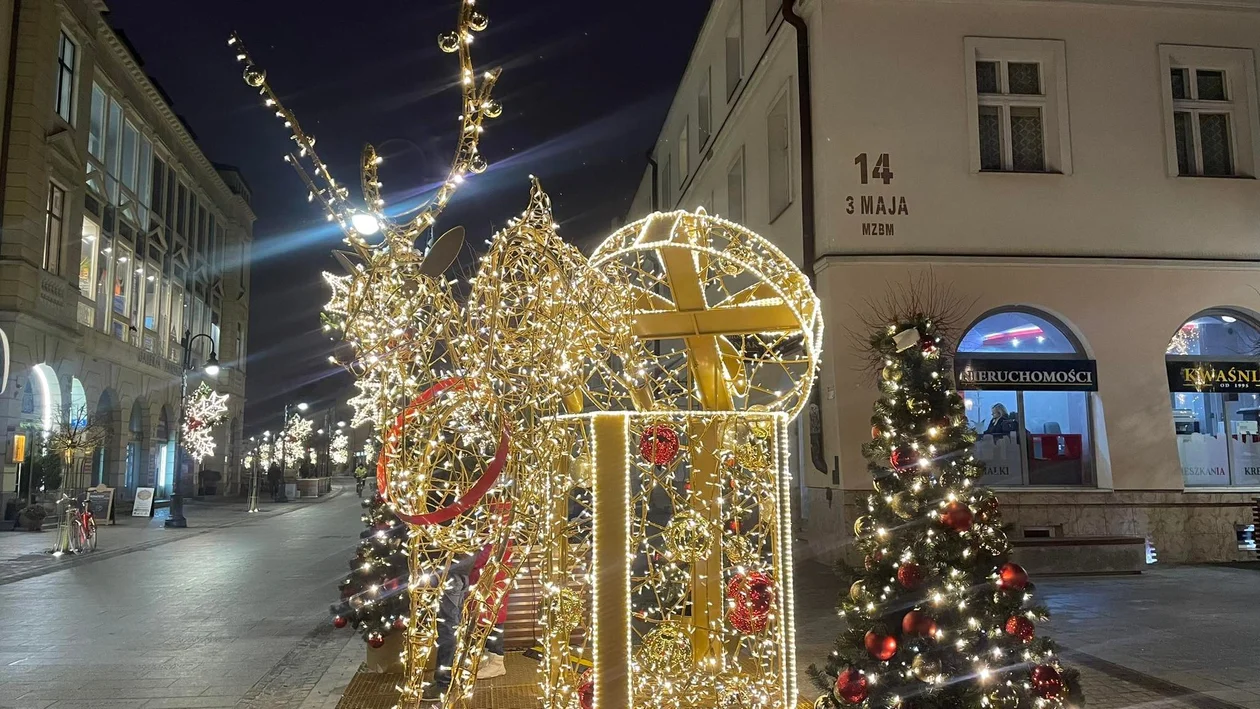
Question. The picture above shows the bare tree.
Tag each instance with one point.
(920, 296)
(75, 435)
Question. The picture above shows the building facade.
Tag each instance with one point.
(1081, 175)
(118, 235)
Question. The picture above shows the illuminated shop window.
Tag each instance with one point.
(1028, 399)
(1214, 379)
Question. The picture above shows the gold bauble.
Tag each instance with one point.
(477, 21)
(925, 668)
(762, 426)
(449, 42)
(739, 550)
(857, 591)
(891, 373)
(254, 76)
(582, 471)
(567, 609)
(733, 258)
(688, 536)
(754, 455)
(906, 504)
(737, 692)
(666, 650)
(824, 702)
(863, 526)
(1003, 696)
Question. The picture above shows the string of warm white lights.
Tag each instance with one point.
(202, 412)
(622, 419)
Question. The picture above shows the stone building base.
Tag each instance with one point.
(1182, 527)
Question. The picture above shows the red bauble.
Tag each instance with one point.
(659, 444)
(873, 559)
(1046, 682)
(400, 623)
(346, 592)
(957, 516)
(851, 686)
(340, 621)
(918, 623)
(586, 690)
(375, 640)
(1021, 627)
(881, 647)
(902, 459)
(752, 596)
(1012, 577)
(874, 431)
(909, 575)
(928, 344)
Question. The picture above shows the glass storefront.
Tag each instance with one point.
(1027, 383)
(1214, 377)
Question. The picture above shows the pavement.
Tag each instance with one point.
(233, 612)
(1174, 637)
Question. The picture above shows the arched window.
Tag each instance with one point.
(165, 453)
(1027, 382)
(1214, 379)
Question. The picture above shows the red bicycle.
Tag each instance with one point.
(78, 531)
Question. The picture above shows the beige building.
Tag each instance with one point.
(118, 235)
(1080, 173)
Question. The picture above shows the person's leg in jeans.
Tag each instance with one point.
(449, 611)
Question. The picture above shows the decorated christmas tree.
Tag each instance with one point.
(937, 617)
(373, 596)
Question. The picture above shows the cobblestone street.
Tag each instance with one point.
(231, 612)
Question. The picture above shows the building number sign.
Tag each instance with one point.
(876, 172)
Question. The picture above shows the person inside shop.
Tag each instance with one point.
(1003, 423)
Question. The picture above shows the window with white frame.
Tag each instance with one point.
(1210, 110)
(54, 227)
(67, 63)
(704, 110)
(735, 51)
(684, 152)
(735, 189)
(779, 145)
(1017, 105)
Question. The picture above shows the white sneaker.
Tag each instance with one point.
(492, 666)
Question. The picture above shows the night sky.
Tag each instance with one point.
(585, 88)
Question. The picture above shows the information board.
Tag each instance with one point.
(144, 502)
(101, 502)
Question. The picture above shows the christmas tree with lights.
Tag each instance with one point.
(373, 596)
(936, 618)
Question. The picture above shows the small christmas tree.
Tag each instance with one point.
(373, 596)
(937, 618)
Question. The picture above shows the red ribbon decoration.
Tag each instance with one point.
(474, 493)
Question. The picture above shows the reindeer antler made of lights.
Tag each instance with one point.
(359, 222)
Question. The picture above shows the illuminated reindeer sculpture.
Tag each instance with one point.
(621, 421)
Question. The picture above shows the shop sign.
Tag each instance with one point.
(1026, 374)
(1190, 375)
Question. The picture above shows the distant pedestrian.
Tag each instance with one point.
(274, 480)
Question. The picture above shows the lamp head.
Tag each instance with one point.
(212, 365)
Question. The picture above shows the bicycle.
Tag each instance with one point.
(358, 486)
(78, 531)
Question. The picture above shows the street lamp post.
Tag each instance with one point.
(281, 495)
(211, 368)
(253, 475)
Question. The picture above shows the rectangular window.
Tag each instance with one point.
(177, 311)
(735, 51)
(779, 144)
(96, 123)
(54, 228)
(704, 111)
(684, 153)
(152, 295)
(1202, 131)
(88, 252)
(1017, 101)
(130, 141)
(67, 63)
(104, 291)
(735, 189)
(157, 197)
(122, 290)
(1210, 121)
(181, 208)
